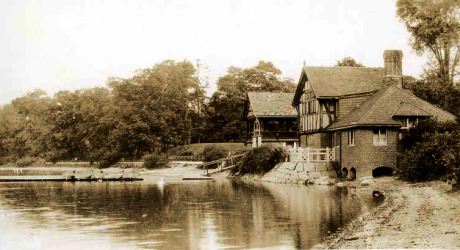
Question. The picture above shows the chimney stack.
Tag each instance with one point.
(392, 75)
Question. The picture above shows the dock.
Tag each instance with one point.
(62, 178)
(197, 178)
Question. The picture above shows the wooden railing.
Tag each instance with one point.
(276, 134)
(311, 154)
(222, 164)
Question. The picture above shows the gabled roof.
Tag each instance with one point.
(265, 104)
(407, 109)
(329, 82)
(380, 109)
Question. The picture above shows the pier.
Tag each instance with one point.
(63, 178)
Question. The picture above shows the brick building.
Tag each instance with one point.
(360, 112)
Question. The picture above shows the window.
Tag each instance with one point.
(409, 122)
(380, 137)
(413, 122)
(351, 137)
(404, 123)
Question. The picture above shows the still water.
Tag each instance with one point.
(172, 214)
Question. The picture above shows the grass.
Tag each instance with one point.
(197, 149)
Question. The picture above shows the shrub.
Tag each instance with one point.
(154, 161)
(260, 160)
(26, 161)
(431, 151)
(212, 153)
(109, 159)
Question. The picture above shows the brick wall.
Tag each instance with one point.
(349, 104)
(364, 156)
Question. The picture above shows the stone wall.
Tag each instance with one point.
(298, 172)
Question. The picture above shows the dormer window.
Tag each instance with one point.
(408, 122)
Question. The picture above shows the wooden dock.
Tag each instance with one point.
(198, 178)
(62, 178)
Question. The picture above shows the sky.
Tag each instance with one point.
(72, 44)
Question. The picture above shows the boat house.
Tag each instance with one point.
(359, 114)
(270, 118)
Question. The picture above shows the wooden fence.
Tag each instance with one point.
(311, 154)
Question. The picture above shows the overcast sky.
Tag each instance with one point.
(72, 44)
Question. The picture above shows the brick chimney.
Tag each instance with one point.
(392, 75)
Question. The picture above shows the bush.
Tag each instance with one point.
(27, 161)
(261, 160)
(109, 159)
(431, 151)
(212, 153)
(154, 161)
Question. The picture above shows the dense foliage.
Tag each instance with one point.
(227, 103)
(154, 161)
(348, 62)
(435, 28)
(433, 89)
(158, 108)
(260, 160)
(430, 151)
(212, 153)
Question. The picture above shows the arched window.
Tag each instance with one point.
(344, 172)
(353, 173)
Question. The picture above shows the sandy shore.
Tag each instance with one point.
(425, 215)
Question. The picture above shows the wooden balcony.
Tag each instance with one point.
(275, 135)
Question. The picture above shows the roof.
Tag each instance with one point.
(339, 81)
(330, 82)
(383, 107)
(265, 104)
(407, 109)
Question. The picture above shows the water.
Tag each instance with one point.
(172, 214)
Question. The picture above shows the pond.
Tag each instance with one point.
(161, 213)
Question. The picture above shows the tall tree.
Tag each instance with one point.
(227, 103)
(155, 105)
(348, 62)
(435, 28)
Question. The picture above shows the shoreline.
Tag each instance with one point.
(422, 215)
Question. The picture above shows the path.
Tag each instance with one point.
(415, 216)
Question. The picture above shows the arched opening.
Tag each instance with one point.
(382, 171)
(344, 172)
(353, 174)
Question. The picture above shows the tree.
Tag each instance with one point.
(227, 103)
(435, 28)
(348, 62)
(155, 106)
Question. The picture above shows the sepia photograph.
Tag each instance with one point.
(230, 124)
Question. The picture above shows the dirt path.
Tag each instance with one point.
(413, 216)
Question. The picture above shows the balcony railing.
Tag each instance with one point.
(276, 135)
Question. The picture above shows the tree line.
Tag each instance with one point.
(157, 108)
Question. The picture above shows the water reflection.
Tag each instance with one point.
(182, 215)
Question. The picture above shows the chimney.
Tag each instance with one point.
(392, 73)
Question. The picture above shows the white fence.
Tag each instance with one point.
(311, 154)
